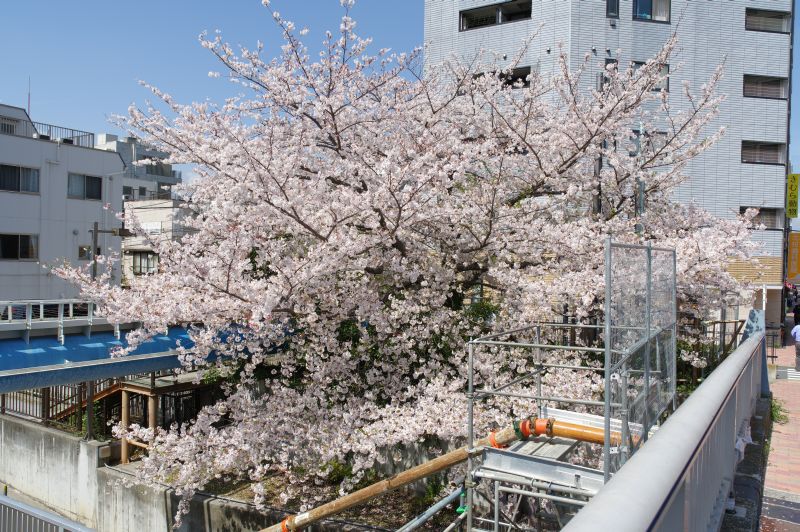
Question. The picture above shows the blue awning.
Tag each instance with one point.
(45, 362)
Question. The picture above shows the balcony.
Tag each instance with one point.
(42, 131)
(135, 195)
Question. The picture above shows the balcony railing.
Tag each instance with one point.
(166, 230)
(42, 131)
(134, 195)
(25, 315)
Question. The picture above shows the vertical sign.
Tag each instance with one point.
(791, 195)
(793, 266)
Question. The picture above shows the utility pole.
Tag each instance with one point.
(95, 230)
(121, 232)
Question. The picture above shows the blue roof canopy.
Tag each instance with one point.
(45, 362)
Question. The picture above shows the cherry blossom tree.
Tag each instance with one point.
(350, 210)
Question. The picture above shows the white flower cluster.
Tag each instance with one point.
(348, 209)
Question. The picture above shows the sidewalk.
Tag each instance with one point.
(781, 503)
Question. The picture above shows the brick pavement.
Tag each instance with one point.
(781, 505)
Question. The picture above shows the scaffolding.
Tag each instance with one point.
(533, 470)
(636, 344)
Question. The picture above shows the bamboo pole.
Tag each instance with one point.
(518, 430)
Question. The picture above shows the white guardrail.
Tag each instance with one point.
(16, 516)
(47, 314)
(680, 479)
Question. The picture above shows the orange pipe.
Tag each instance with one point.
(523, 429)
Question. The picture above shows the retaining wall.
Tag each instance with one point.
(66, 475)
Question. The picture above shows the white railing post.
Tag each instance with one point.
(61, 323)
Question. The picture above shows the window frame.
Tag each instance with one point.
(778, 212)
(784, 13)
(636, 65)
(609, 11)
(498, 20)
(642, 19)
(19, 257)
(84, 196)
(744, 84)
(144, 255)
(19, 190)
(783, 145)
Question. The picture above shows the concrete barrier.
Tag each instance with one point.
(63, 474)
(51, 467)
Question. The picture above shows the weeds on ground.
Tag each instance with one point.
(779, 413)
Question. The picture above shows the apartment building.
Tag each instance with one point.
(159, 220)
(54, 185)
(147, 194)
(748, 167)
(148, 181)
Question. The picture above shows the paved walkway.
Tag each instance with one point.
(781, 504)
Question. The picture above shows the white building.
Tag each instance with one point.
(160, 219)
(747, 168)
(141, 182)
(53, 187)
(147, 194)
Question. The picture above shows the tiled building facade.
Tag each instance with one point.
(747, 167)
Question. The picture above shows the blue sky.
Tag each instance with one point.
(84, 58)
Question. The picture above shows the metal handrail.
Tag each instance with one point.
(24, 314)
(680, 477)
(18, 516)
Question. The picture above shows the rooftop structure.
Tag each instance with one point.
(141, 181)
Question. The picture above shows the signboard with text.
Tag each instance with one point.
(793, 262)
(791, 195)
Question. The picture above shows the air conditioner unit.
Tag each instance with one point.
(67, 141)
(127, 197)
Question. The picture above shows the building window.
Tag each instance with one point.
(770, 218)
(604, 77)
(755, 152)
(654, 141)
(19, 179)
(142, 192)
(19, 247)
(766, 87)
(84, 252)
(127, 193)
(661, 85)
(518, 78)
(770, 21)
(144, 262)
(84, 187)
(8, 125)
(652, 10)
(494, 14)
(612, 8)
(159, 168)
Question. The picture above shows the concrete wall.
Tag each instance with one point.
(53, 468)
(66, 475)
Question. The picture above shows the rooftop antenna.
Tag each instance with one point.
(29, 96)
